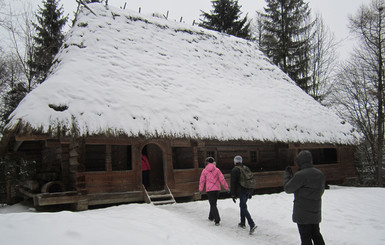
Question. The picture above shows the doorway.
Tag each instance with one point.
(154, 155)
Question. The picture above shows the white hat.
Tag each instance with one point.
(238, 159)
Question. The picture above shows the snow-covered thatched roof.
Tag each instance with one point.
(125, 73)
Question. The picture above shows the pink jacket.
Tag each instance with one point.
(213, 178)
(145, 163)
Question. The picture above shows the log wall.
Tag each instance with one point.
(65, 161)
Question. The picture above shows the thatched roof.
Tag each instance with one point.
(125, 73)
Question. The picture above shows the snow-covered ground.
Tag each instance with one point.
(353, 216)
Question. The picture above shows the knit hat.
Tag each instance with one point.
(209, 160)
(238, 159)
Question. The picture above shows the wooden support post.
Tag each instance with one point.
(81, 205)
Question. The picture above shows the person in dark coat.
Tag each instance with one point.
(237, 191)
(308, 185)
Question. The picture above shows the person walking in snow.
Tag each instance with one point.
(213, 178)
(238, 191)
(308, 185)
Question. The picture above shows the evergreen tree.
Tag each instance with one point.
(11, 99)
(226, 18)
(287, 39)
(49, 38)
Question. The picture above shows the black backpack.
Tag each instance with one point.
(247, 179)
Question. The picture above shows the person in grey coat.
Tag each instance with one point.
(308, 185)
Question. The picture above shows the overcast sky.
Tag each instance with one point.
(334, 12)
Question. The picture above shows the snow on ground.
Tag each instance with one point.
(353, 216)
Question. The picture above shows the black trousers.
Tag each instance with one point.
(310, 234)
(146, 178)
(213, 214)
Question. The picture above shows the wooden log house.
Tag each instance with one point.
(125, 84)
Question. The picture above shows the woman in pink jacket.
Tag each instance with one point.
(212, 177)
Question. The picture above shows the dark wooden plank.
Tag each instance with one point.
(57, 198)
(110, 198)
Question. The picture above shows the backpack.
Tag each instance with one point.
(247, 178)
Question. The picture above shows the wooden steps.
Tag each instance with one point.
(159, 197)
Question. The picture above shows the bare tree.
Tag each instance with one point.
(323, 60)
(257, 28)
(12, 86)
(21, 32)
(16, 79)
(354, 94)
(2, 14)
(361, 82)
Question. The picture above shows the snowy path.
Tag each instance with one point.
(351, 216)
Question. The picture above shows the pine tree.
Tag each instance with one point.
(11, 99)
(49, 38)
(286, 38)
(226, 18)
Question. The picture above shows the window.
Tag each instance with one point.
(121, 157)
(203, 154)
(267, 158)
(253, 156)
(95, 158)
(324, 156)
(182, 157)
(210, 154)
(283, 159)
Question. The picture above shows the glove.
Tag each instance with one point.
(234, 199)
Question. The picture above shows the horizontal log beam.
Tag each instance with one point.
(44, 199)
(111, 198)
